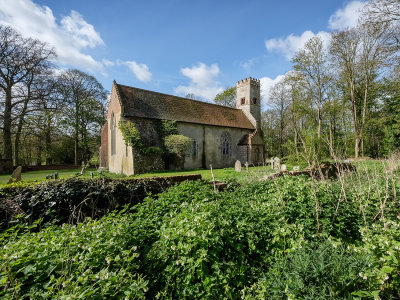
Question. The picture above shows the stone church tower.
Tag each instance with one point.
(248, 98)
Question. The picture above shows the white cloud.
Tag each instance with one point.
(107, 63)
(292, 43)
(69, 37)
(203, 82)
(339, 20)
(248, 63)
(141, 71)
(266, 85)
(346, 17)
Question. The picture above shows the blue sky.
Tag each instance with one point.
(178, 46)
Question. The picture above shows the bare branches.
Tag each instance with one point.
(22, 61)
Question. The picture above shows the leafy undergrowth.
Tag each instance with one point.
(72, 200)
(289, 238)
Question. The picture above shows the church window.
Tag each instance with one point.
(243, 100)
(256, 155)
(254, 100)
(226, 147)
(113, 135)
(194, 148)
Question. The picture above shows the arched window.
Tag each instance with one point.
(194, 148)
(256, 155)
(113, 135)
(226, 148)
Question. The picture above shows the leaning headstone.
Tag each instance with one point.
(91, 174)
(55, 175)
(16, 175)
(247, 166)
(277, 163)
(272, 163)
(238, 166)
(296, 168)
(283, 167)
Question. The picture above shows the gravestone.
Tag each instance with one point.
(16, 175)
(277, 163)
(247, 166)
(296, 168)
(56, 175)
(283, 167)
(238, 166)
(272, 162)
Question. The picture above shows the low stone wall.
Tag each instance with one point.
(49, 167)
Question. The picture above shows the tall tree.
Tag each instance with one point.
(20, 58)
(279, 101)
(84, 99)
(226, 97)
(36, 94)
(312, 63)
(345, 46)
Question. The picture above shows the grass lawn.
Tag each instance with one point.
(41, 175)
(219, 174)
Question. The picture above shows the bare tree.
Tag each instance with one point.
(384, 13)
(279, 101)
(345, 47)
(20, 59)
(312, 63)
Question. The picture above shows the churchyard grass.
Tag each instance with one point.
(41, 175)
(219, 174)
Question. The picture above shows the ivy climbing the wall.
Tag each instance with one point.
(132, 138)
(173, 144)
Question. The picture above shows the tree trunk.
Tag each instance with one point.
(354, 112)
(76, 134)
(7, 145)
(48, 139)
(364, 114)
(39, 151)
(19, 129)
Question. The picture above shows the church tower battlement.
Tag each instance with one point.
(248, 98)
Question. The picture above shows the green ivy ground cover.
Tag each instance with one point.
(262, 240)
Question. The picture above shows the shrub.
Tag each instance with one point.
(97, 259)
(72, 200)
(320, 270)
(178, 145)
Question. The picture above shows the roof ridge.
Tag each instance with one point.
(214, 104)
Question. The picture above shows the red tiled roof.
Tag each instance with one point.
(147, 104)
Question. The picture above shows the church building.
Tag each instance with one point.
(219, 135)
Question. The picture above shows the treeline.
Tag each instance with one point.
(342, 97)
(47, 115)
